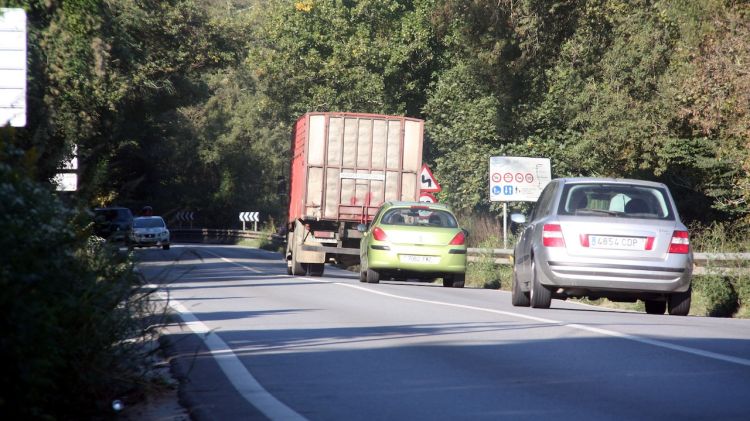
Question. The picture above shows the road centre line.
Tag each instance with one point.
(242, 380)
(605, 332)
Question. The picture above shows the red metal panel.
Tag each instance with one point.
(353, 210)
(298, 171)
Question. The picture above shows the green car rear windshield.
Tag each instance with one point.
(620, 200)
(420, 217)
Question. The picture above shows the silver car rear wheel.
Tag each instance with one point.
(518, 298)
(539, 296)
(655, 307)
(679, 303)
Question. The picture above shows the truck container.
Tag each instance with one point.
(344, 166)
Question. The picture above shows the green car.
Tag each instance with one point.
(413, 240)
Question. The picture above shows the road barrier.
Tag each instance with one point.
(704, 263)
(224, 236)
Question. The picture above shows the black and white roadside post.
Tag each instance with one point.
(249, 217)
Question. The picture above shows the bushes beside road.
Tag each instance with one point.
(70, 307)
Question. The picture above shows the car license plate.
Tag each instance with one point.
(410, 258)
(617, 243)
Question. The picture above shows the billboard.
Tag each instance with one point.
(518, 179)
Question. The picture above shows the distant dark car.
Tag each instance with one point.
(114, 223)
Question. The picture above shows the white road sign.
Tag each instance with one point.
(12, 67)
(249, 217)
(518, 179)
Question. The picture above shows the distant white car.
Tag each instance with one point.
(149, 231)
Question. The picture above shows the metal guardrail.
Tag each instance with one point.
(704, 263)
(209, 235)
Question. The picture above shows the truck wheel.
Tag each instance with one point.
(298, 269)
(373, 277)
(315, 269)
(679, 303)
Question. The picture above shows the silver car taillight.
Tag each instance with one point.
(552, 236)
(680, 243)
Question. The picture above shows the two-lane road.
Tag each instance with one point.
(258, 343)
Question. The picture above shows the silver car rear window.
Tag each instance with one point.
(617, 200)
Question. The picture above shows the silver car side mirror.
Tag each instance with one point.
(518, 218)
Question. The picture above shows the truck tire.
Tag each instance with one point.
(315, 269)
(293, 243)
(298, 269)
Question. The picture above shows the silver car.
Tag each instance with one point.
(604, 238)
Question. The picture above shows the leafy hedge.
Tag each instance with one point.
(68, 303)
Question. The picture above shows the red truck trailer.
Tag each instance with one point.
(344, 166)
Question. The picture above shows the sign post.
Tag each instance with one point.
(517, 179)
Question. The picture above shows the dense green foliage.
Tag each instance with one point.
(67, 302)
(188, 104)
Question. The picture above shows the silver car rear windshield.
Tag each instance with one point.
(617, 200)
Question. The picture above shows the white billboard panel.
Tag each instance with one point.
(66, 181)
(518, 179)
(12, 79)
(12, 67)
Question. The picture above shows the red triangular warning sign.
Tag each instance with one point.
(427, 181)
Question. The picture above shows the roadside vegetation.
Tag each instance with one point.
(74, 313)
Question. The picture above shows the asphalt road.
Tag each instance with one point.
(257, 344)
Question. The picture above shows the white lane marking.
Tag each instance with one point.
(612, 333)
(233, 368)
(234, 263)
